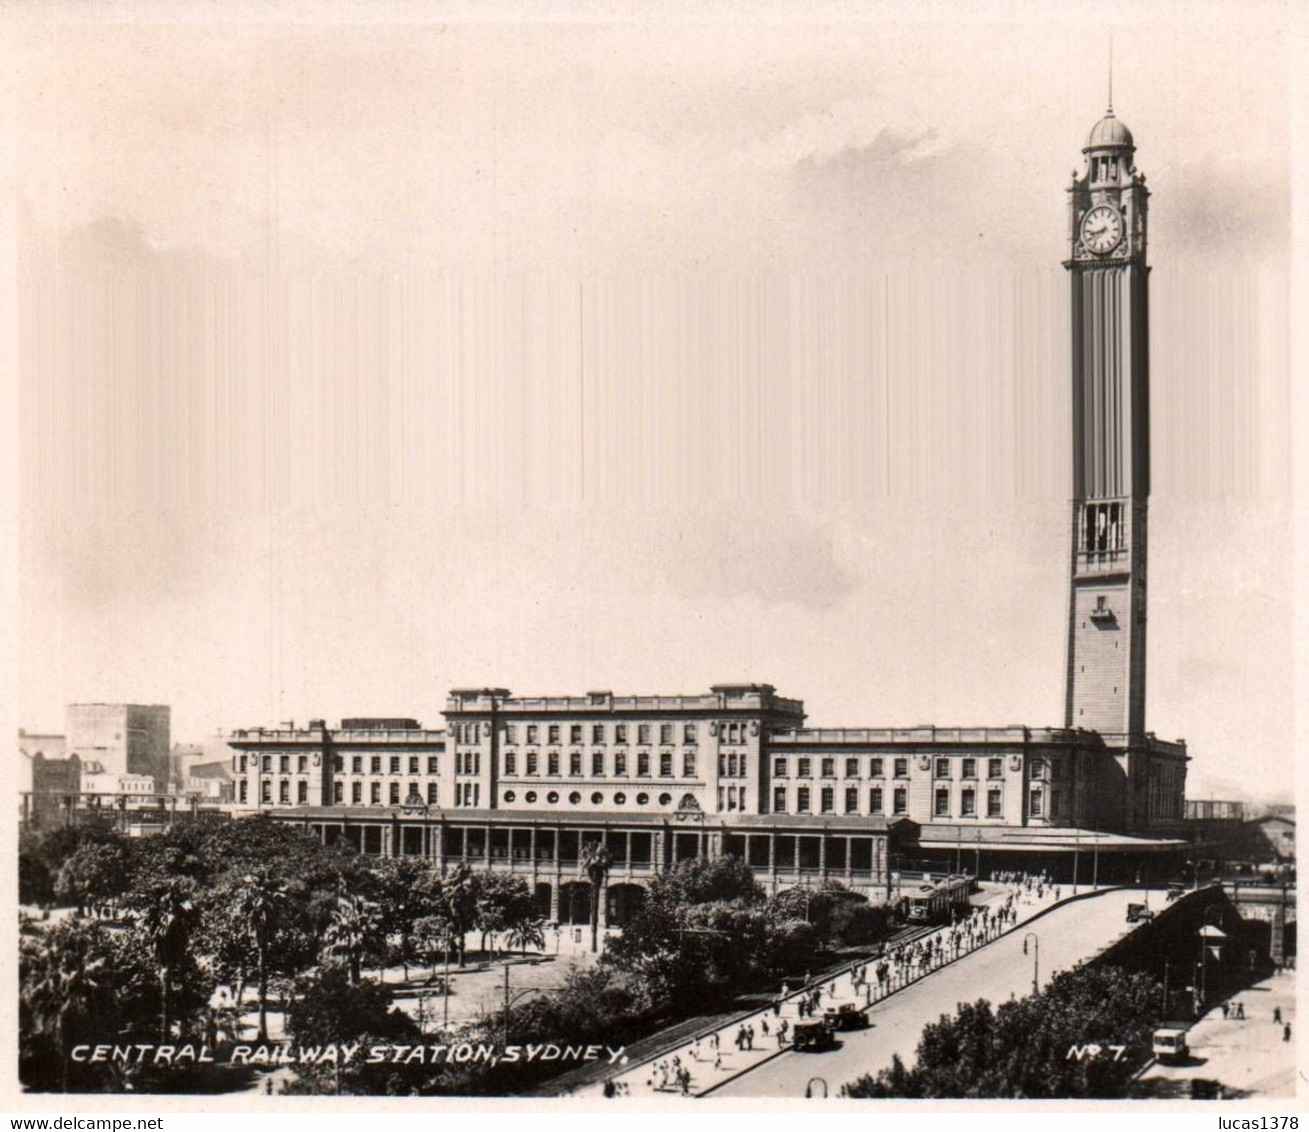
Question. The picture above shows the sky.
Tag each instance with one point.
(635, 351)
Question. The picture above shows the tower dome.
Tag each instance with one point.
(1109, 131)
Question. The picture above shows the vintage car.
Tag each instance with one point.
(812, 1036)
(1138, 914)
(1169, 1042)
(847, 1016)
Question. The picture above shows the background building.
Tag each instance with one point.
(125, 739)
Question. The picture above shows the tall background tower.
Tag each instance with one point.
(1111, 435)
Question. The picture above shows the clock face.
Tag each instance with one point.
(1102, 229)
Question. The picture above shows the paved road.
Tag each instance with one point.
(1068, 934)
(1248, 1056)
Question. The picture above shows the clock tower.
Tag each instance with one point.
(1109, 282)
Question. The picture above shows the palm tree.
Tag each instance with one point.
(355, 929)
(62, 975)
(596, 862)
(167, 919)
(262, 901)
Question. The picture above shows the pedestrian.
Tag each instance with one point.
(1277, 1014)
(763, 1024)
(1240, 1011)
(1226, 1008)
(1286, 1032)
(718, 1060)
(609, 1089)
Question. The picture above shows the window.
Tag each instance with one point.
(554, 733)
(665, 733)
(357, 765)
(802, 800)
(412, 791)
(375, 793)
(302, 792)
(666, 763)
(244, 793)
(851, 800)
(511, 733)
(942, 768)
(431, 793)
(643, 765)
(731, 765)
(395, 793)
(994, 768)
(994, 802)
(875, 768)
(941, 808)
(375, 764)
(265, 791)
(970, 768)
(1036, 801)
(413, 764)
(552, 797)
(284, 792)
(552, 763)
(597, 764)
(338, 763)
(901, 800)
(511, 762)
(575, 763)
(827, 799)
(779, 799)
(722, 765)
(620, 733)
(574, 798)
(779, 768)
(531, 732)
(597, 798)
(829, 768)
(267, 764)
(575, 733)
(875, 800)
(302, 764)
(338, 791)
(968, 803)
(531, 762)
(689, 733)
(530, 797)
(852, 768)
(357, 792)
(620, 799)
(902, 768)
(510, 796)
(802, 768)
(620, 763)
(665, 799)
(242, 764)
(395, 764)
(597, 733)
(688, 764)
(643, 733)
(642, 799)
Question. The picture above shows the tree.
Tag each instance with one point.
(355, 930)
(505, 904)
(263, 902)
(166, 915)
(403, 897)
(596, 862)
(455, 897)
(64, 981)
(36, 885)
(94, 875)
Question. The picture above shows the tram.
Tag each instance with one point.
(933, 901)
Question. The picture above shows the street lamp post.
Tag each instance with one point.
(1036, 959)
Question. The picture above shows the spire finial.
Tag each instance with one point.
(1111, 73)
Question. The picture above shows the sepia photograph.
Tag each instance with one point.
(620, 556)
